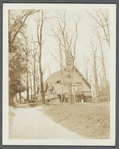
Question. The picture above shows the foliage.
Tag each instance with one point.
(17, 43)
(17, 67)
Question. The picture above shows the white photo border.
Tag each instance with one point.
(5, 115)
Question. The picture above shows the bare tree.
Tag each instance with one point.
(86, 67)
(102, 31)
(27, 50)
(18, 24)
(30, 73)
(67, 45)
(102, 61)
(40, 23)
(102, 20)
(49, 70)
(95, 68)
(34, 71)
(31, 86)
(62, 68)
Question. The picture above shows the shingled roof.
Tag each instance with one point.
(51, 80)
(83, 77)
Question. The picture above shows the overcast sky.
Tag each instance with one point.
(85, 33)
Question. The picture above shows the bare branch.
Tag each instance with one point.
(104, 25)
(56, 59)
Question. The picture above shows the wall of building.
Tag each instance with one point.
(77, 78)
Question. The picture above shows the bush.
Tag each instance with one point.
(82, 96)
(90, 99)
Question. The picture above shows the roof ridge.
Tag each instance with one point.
(76, 70)
(82, 75)
(51, 75)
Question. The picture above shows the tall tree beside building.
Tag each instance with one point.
(41, 17)
(86, 67)
(67, 46)
(34, 67)
(102, 30)
(95, 73)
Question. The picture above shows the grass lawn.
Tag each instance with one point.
(90, 120)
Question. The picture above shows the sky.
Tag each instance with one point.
(83, 47)
(85, 35)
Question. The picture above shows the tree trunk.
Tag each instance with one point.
(31, 88)
(34, 81)
(40, 66)
(103, 63)
(20, 96)
(27, 81)
(20, 90)
(62, 93)
(70, 93)
(61, 69)
(96, 85)
(10, 99)
(96, 78)
(42, 87)
(69, 70)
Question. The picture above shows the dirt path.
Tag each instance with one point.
(31, 123)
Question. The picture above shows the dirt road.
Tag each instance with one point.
(31, 123)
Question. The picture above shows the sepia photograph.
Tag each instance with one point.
(59, 64)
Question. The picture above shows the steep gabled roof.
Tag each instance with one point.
(82, 76)
(57, 76)
(53, 78)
